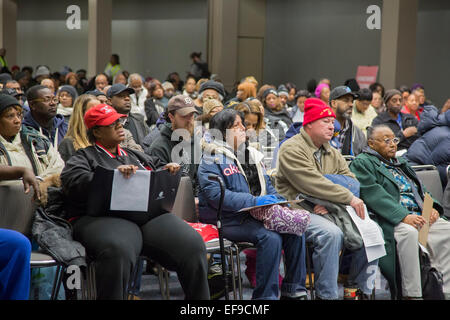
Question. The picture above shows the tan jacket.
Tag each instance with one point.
(298, 171)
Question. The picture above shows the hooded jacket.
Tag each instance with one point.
(433, 147)
(44, 158)
(163, 146)
(136, 125)
(58, 131)
(408, 120)
(219, 159)
(278, 120)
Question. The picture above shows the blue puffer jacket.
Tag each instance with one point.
(220, 160)
(433, 147)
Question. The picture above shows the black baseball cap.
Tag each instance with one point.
(12, 92)
(118, 88)
(96, 93)
(341, 91)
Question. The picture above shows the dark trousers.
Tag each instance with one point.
(114, 245)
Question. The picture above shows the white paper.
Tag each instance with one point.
(370, 233)
(375, 252)
(368, 228)
(130, 194)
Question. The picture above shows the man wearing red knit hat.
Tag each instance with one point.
(308, 165)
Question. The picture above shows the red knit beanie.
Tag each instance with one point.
(316, 109)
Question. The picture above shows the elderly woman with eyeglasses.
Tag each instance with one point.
(114, 243)
(392, 191)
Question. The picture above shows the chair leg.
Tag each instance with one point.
(239, 274)
(163, 277)
(91, 285)
(57, 282)
(166, 280)
(233, 275)
(308, 266)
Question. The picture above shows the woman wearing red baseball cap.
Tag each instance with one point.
(115, 243)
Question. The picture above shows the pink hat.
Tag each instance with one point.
(319, 89)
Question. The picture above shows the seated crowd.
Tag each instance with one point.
(334, 147)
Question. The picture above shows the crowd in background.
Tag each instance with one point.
(61, 125)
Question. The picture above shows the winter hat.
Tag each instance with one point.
(20, 75)
(316, 109)
(269, 91)
(210, 104)
(7, 101)
(42, 71)
(416, 86)
(167, 85)
(390, 93)
(211, 84)
(302, 93)
(70, 90)
(282, 90)
(319, 89)
(4, 77)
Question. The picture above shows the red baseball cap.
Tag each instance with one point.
(101, 115)
(316, 109)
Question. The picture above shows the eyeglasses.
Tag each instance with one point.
(48, 100)
(115, 124)
(389, 141)
(11, 116)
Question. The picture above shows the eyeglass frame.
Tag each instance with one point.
(388, 141)
(114, 125)
(45, 100)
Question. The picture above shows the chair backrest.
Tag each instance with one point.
(429, 176)
(184, 206)
(16, 209)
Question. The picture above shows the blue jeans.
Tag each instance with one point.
(327, 240)
(268, 255)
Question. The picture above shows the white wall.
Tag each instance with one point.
(156, 37)
(151, 37)
(43, 37)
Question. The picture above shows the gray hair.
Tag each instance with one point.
(371, 130)
(133, 76)
(220, 96)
